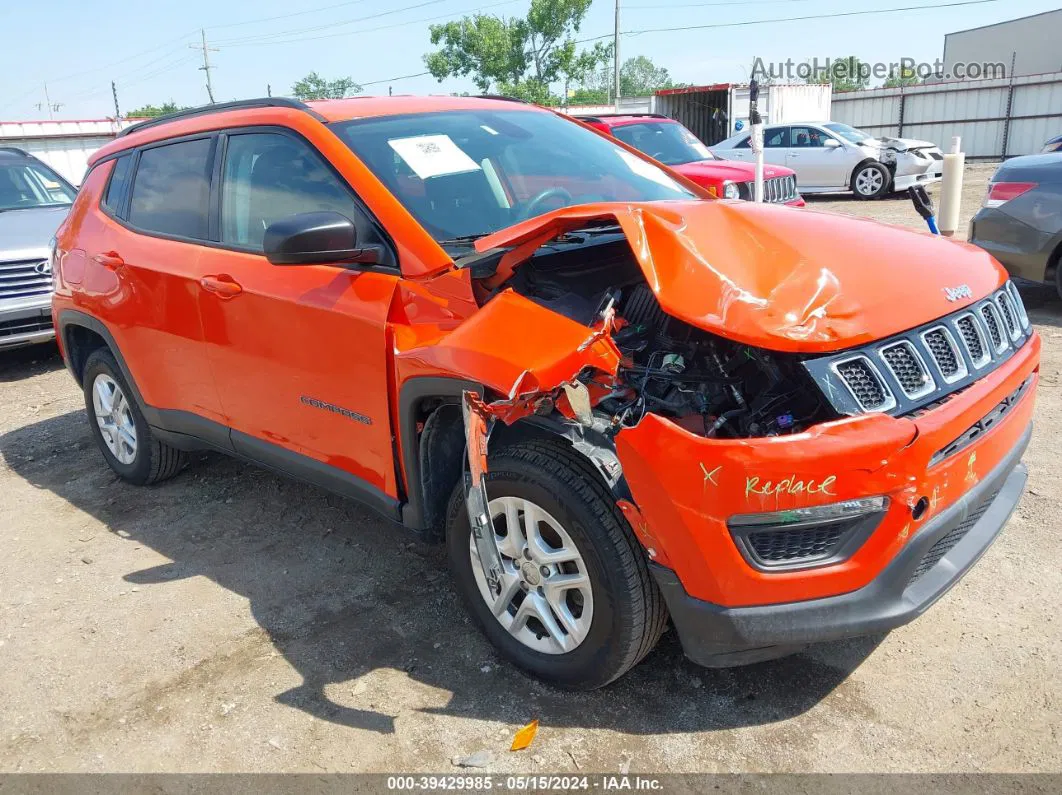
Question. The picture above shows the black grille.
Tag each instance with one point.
(798, 544)
(993, 326)
(971, 338)
(981, 427)
(864, 383)
(21, 279)
(26, 325)
(1008, 314)
(947, 542)
(906, 367)
(943, 353)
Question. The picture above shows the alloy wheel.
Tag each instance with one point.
(869, 181)
(115, 418)
(546, 600)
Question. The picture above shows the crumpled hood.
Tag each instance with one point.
(713, 171)
(778, 278)
(900, 144)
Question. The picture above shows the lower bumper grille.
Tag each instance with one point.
(25, 325)
(812, 543)
(947, 542)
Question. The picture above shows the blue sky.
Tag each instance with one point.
(79, 46)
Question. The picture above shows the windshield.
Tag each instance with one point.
(464, 174)
(668, 142)
(850, 133)
(27, 184)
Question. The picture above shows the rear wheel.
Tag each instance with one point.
(871, 181)
(121, 432)
(578, 606)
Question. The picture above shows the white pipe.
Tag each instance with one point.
(951, 189)
(757, 148)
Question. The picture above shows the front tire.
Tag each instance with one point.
(121, 432)
(578, 607)
(871, 181)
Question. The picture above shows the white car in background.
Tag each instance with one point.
(829, 157)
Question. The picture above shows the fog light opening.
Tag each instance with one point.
(919, 509)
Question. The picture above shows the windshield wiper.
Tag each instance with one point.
(463, 240)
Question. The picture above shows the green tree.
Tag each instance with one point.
(904, 76)
(640, 76)
(313, 86)
(521, 56)
(152, 111)
(846, 74)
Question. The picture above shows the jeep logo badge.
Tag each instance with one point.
(958, 293)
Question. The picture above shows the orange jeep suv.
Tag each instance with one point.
(616, 399)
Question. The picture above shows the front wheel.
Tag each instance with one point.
(871, 181)
(578, 607)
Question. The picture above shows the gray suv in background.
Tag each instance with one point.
(33, 202)
(1020, 222)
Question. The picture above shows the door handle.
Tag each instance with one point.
(111, 260)
(222, 285)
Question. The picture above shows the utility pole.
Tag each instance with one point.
(616, 52)
(206, 67)
(114, 93)
(269, 90)
(48, 102)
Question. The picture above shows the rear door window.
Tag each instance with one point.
(171, 190)
(119, 183)
(778, 137)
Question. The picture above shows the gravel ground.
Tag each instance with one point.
(230, 620)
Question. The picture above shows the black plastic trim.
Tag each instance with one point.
(717, 636)
(413, 393)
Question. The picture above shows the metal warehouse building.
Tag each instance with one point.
(63, 145)
(1034, 43)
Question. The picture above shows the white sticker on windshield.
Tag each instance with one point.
(647, 170)
(433, 155)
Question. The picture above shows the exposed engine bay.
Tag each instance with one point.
(706, 384)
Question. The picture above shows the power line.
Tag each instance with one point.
(669, 6)
(360, 31)
(833, 15)
(286, 16)
(377, 15)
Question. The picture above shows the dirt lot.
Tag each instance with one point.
(230, 620)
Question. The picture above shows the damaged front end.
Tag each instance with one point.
(726, 455)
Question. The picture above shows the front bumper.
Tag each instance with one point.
(26, 322)
(718, 636)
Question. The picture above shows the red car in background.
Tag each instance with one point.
(666, 140)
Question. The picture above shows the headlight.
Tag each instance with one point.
(730, 190)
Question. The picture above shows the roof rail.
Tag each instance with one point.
(502, 97)
(239, 104)
(14, 150)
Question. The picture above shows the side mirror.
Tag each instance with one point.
(315, 239)
(832, 143)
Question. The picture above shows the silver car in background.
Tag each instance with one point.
(34, 200)
(829, 157)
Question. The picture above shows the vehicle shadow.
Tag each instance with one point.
(341, 593)
(20, 363)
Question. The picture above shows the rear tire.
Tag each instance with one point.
(871, 181)
(121, 432)
(628, 612)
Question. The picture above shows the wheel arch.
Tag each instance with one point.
(433, 457)
(891, 168)
(81, 334)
